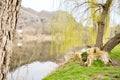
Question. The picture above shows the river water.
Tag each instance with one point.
(41, 61)
(34, 71)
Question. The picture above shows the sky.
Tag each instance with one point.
(53, 5)
(39, 5)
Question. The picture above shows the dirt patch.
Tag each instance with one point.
(98, 77)
(116, 63)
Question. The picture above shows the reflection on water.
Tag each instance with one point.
(33, 51)
(33, 71)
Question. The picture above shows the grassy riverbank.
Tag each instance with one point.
(98, 71)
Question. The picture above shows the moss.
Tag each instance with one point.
(84, 56)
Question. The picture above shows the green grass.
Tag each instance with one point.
(98, 71)
(73, 71)
(115, 53)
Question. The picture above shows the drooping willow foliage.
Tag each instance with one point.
(96, 14)
(92, 36)
(68, 34)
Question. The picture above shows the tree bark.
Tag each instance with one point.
(99, 40)
(102, 23)
(8, 20)
(112, 43)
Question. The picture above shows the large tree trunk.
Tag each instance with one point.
(99, 40)
(8, 19)
(102, 23)
(112, 43)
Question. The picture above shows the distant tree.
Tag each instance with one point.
(9, 10)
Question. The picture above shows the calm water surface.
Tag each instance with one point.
(34, 71)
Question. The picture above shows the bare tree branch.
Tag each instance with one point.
(97, 10)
